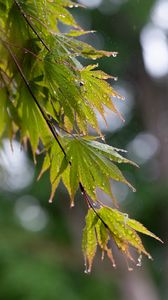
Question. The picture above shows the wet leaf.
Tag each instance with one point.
(89, 241)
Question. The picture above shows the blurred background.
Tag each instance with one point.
(40, 249)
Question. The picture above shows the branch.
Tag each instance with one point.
(30, 24)
(50, 126)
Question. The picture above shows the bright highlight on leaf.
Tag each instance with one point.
(50, 100)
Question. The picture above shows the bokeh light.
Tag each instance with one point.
(30, 214)
(155, 50)
(90, 3)
(16, 170)
(159, 14)
(143, 147)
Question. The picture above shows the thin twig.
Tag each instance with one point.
(91, 206)
(51, 128)
(30, 24)
(23, 49)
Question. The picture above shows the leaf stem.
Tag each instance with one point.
(50, 126)
(30, 24)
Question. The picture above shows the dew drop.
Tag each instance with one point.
(125, 218)
(72, 205)
(50, 201)
(114, 54)
(139, 264)
(62, 16)
(150, 257)
(115, 78)
(102, 257)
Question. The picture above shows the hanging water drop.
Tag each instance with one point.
(72, 205)
(150, 257)
(125, 219)
(139, 264)
(114, 54)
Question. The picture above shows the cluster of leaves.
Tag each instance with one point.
(51, 100)
(105, 223)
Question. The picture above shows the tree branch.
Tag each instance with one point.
(30, 24)
(45, 117)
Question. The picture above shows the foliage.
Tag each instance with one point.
(51, 100)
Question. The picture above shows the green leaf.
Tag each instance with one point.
(123, 230)
(111, 223)
(140, 228)
(88, 165)
(102, 239)
(89, 241)
(109, 152)
(9, 119)
(32, 125)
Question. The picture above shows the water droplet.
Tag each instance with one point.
(50, 201)
(72, 204)
(150, 257)
(114, 54)
(102, 257)
(115, 78)
(139, 264)
(125, 219)
(62, 16)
